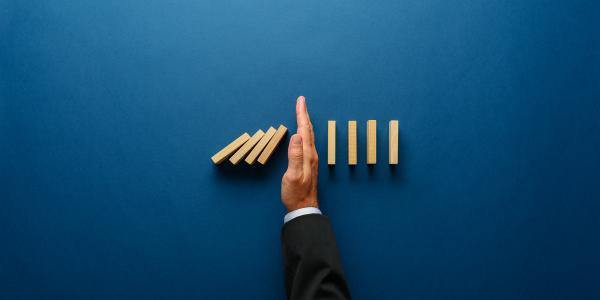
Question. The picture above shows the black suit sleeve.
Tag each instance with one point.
(311, 261)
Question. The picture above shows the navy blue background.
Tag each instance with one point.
(110, 111)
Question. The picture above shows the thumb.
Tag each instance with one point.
(295, 156)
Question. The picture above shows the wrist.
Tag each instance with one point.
(314, 204)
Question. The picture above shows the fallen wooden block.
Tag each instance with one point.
(352, 157)
(393, 142)
(230, 149)
(251, 158)
(272, 145)
(371, 142)
(331, 142)
(245, 149)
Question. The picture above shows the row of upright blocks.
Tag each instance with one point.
(371, 142)
(258, 147)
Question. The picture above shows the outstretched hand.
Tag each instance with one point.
(299, 183)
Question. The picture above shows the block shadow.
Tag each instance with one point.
(398, 172)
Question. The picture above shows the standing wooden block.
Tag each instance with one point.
(272, 145)
(251, 158)
(230, 149)
(371, 142)
(237, 157)
(331, 142)
(393, 140)
(352, 157)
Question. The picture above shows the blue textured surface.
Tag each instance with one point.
(110, 111)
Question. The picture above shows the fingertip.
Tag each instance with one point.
(300, 104)
(301, 115)
(296, 139)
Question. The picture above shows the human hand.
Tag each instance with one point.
(299, 183)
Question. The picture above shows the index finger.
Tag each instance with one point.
(303, 120)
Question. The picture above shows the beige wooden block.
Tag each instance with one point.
(331, 142)
(272, 145)
(230, 149)
(393, 142)
(251, 158)
(371, 142)
(352, 157)
(239, 155)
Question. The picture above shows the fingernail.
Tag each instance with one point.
(296, 139)
(301, 98)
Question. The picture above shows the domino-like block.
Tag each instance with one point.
(272, 145)
(371, 142)
(230, 149)
(352, 157)
(251, 158)
(331, 142)
(245, 149)
(393, 140)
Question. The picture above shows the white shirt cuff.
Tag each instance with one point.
(300, 212)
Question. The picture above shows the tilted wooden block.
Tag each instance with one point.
(245, 149)
(393, 140)
(331, 142)
(230, 149)
(251, 158)
(352, 157)
(272, 145)
(371, 142)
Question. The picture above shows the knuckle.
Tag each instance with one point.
(297, 154)
(291, 176)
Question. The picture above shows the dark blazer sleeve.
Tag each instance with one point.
(311, 261)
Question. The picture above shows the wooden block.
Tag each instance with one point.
(393, 142)
(371, 142)
(251, 158)
(352, 157)
(237, 157)
(331, 142)
(230, 149)
(272, 145)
